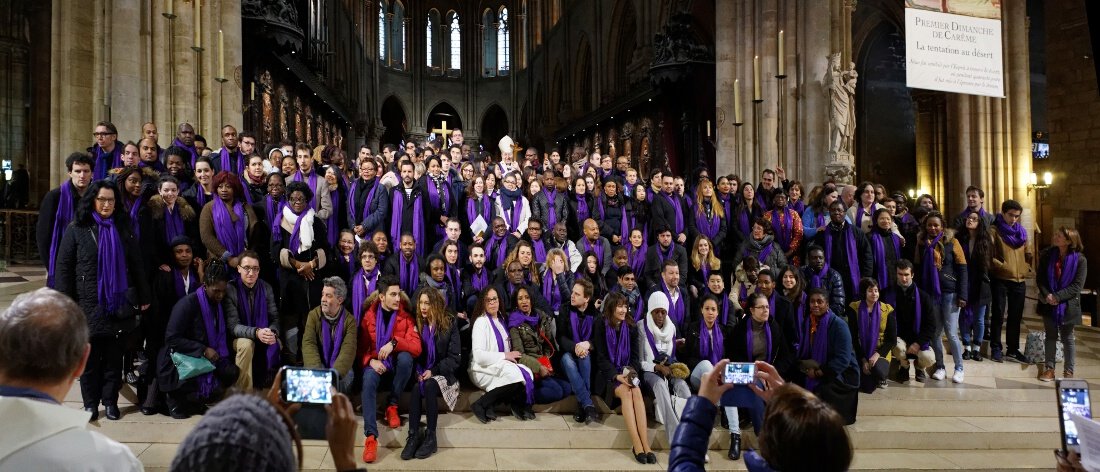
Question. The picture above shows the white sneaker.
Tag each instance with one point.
(706, 458)
(939, 374)
(957, 377)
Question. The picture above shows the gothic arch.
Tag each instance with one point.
(623, 42)
(443, 111)
(583, 77)
(394, 119)
(494, 125)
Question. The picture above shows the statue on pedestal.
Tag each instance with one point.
(840, 86)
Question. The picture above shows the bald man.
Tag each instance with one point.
(592, 242)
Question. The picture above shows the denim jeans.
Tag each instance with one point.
(1008, 296)
(701, 369)
(1057, 333)
(947, 319)
(399, 375)
(579, 373)
(976, 330)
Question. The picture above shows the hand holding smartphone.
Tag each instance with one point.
(740, 373)
(1073, 397)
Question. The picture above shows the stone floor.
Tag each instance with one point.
(1000, 418)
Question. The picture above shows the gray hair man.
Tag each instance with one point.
(330, 339)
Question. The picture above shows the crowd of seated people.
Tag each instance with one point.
(428, 268)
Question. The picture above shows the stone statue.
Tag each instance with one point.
(840, 85)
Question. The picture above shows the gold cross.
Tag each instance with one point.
(443, 130)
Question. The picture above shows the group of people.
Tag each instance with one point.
(428, 267)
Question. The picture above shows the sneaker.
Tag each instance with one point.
(957, 377)
(370, 449)
(966, 355)
(1017, 356)
(997, 356)
(392, 418)
(976, 356)
(1047, 376)
(882, 384)
(939, 374)
(921, 375)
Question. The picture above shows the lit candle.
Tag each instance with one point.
(782, 70)
(737, 101)
(171, 8)
(756, 96)
(253, 90)
(221, 54)
(198, 24)
(708, 128)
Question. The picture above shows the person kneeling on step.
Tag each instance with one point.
(914, 322)
(329, 339)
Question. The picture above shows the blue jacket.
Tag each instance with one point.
(689, 444)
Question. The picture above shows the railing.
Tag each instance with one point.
(19, 234)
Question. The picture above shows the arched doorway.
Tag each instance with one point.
(443, 112)
(494, 125)
(395, 121)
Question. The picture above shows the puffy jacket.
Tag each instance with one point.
(689, 444)
(540, 208)
(833, 285)
(404, 330)
(952, 268)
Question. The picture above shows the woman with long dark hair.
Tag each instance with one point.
(885, 249)
(96, 270)
(494, 367)
(436, 369)
(580, 207)
(618, 371)
(745, 211)
(477, 203)
(167, 217)
(977, 245)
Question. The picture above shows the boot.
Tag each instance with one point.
(411, 444)
(735, 446)
(428, 446)
(902, 375)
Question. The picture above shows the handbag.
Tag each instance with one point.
(188, 367)
(544, 360)
(449, 391)
(1035, 348)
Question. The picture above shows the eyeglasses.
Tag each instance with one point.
(103, 134)
(491, 299)
(298, 200)
(762, 307)
(105, 201)
(249, 269)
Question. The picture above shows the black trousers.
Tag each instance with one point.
(513, 393)
(102, 377)
(1007, 296)
(430, 404)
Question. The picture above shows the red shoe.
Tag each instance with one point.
(392, 417)
(370, 449)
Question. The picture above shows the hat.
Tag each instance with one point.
(506, 144)
(657, 300)
(181, 240)
(244, 432)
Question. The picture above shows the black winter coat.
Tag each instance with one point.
(78, 275)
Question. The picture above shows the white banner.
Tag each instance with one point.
(953, 53)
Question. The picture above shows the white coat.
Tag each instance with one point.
(488, 367)
(39, 435)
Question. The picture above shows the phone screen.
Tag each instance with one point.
(740, 373)
(1073, 400)
(307, 385)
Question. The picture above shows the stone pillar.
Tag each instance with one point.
(1017, 110)
(725, 68)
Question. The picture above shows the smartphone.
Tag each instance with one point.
(1073, 397)
(302, 385)
(740, 373)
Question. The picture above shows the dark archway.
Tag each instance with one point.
(395, 121)
(443, 112)
(494, 125)
(886, 129)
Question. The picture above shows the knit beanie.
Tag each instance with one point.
(242, 433)
(657, 299)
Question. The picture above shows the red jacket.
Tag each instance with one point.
(408, 338)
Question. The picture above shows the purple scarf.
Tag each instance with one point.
(528, 380)
(1014, 235)
(869, 328)
(332, 223)
(782, 221)
(135, 223)
(1069, 272)
(173, 222)
(552, 214)
(678, 228)
(330, 345)
(383, 332)
(860, 214)
(214, 321)
(582, 330)
(930, 275)
(550, 290)
(479, 279)
(409, 273)
(200, 195)
(540, 250)
(397, 217)
(676, 310)
(104, 161)
(517, 318)
(892, 299)
(598, 249)
(618, 344)
(364, 212)
(231, 233)
(181, 289)
(798, 206)
(637, 259)
(438, 193)
(710, 342)
(362, 286)
(191, 149)
(967, 211)
(724, 308)
(816, 345)
(707, 221)
(817, 279)
(61, 220)
(226, 161)
(255, 314)
(849, 249)
(744, 219)
(112, 281)
(472, 211)
(763, 249)
(275, 216)
(582, 208)
(312, 182)
(878, 251)
(498, 249)
(768, 357)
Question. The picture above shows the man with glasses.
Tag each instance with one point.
(247, 143)
(106, 153)
(255, 322)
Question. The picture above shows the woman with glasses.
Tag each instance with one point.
(495, 366)
(759, 337)
(512, 205)
(301, 249)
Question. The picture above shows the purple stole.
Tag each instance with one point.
(397, 217)
(274, 210)
(781, 223)
(177, 282)
(817, 280)
(528, 379)
(869, 327)
(1014, 235)
(598, 250)
(517, 318)
(763, 254)
(361, 213)
(724, 307)
(618, 344)
(332, 223)
(330, 344)
(226, 161)
(816, 344)
(582, 208)
(678, 227)
(362, 286)
(62, 218)
(744, 219)
(726, 204)
(427, 336)
(582, 330)
(540, 250)
(191, 149)
(111, 282)
(498, 249)
(383, 332)
(798, 206)
(637, 259)
(231, 233)
(453, 277)
(312, 182)
(552, 214)
(849, 248)
(512, 216)
(409, 273)
(200, 195)
(550, 290)
(255, 314)
(707, 221)
(667, 255)
(893, 299)
(214, 322)
(930, 275)
(858, 223)
(1062, 281)
(438, 200)
(479, 280)
(768, 357)
(676, 311)
(472, 211)
(710, 342)
(878, 251)
(105, 161)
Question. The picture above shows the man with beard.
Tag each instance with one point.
(407, 208)
(106, 153)
(664, 250)
(149, 153)
(405, 265)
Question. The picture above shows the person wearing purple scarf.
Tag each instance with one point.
(499, 244)
(440, 203)
(407, 210)
(181, 278)
(758, 338)
(254, 324)
(96, 270)
(915, 324)
(787, 227)
(314, 177)
(227, 222)
(944, 275)
(575, 345)
(549, 206)
(106, 152)
(436, 369)
(874, 335)
(1011, 265)
(846, 249)
(198, 328)
(975, 203)
(530, 330)
(592, 243)
(57, 210)
(512, 206)
(828, 365)
(476, 276)
(1061, 276)
(229, 157)
(706, 341)
(364, 281)
(494, 365)
(301, 252)
(368, 202)
(405, 265)
(185, 138)
(669, 209)
(710, 215)
(616, 354)
(580, 207)
(329, 340)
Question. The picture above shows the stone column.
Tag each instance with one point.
(725, 68)
(1017, 110)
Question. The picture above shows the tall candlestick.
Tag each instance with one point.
(781, 69)
(737, 102)
(756, 96)
(171, 13)
(708, 128)
(221, 54)
(253, 91)
(198, 25)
